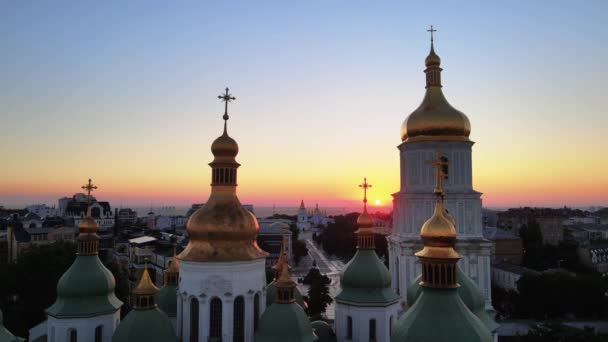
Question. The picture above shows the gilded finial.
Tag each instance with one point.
(431, 30)
(226, 97)
(440, 164)
(365, 186)
(89, 187)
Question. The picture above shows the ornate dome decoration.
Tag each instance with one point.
(222, 230)
(365, 278)
(435, 119)
(87, 287)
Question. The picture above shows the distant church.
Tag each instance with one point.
(306, 220)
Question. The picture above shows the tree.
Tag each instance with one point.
(32, 284)
(297, 246)
(318, 292)
(551, 332)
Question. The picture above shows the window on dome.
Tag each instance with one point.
(349, 328)
(193, 320)
(372, 330)
(99, 333)
(215, 320)
(256, 311)
(239, 320)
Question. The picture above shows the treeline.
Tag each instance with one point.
(339, 238)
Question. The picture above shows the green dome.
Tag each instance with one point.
(167, 300)
(284, 323)
(85, 289)
(323, 331)
(468, 291)
(439, 308)
(474, 299)
(271, 294)
(150, 325)
(5, 335)
(365, 280)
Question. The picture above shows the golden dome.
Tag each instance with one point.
(432, 59)
(88, 225)
(224, 146)
(438, 230)
(365, 220)
(435, 118)
(145, 286)
(222, 230)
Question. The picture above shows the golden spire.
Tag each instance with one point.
(226, 97)
(438, 257)
(285, 287)
(365, 233)
(144, 292)
(432, 59)
(278, 266)
(88, 241)
(172, 272)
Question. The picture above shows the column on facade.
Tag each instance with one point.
(249, 316)
(186, 318)
(203, 319)
(227, 317)
(178, 323)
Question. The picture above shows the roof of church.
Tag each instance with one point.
(284, 322)
(150, 325)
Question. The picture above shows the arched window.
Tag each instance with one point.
(238, 321)
(390, 325)
(256, 311)
(73, 335)
(98, 333)
(215, 320)
(372, 330)
(193, 320)
(349, 328)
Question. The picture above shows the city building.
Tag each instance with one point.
(506, 275)
(101, 212)
(434, 125)
(594, 256)
(272, 235)
(126, 216)
(506, 246)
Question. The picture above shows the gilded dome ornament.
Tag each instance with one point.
(222, 229)
(435, 119)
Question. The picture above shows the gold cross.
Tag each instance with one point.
(226, 98)
(89, 187)
(365, 186)
(431, 30)
(439, 163)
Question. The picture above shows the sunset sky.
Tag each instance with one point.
(125, 92)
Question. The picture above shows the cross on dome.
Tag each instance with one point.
(89, 187)
(365, 185)
(431, 30)
(226, 97)
(439, 163)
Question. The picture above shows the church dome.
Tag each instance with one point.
(87, 287)
(435, 118)
(365, 220)
(167, 300)
(225, 146)
(271, 294)
(222, 229)
(323, 331)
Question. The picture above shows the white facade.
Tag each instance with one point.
(60, 329)
(414, 204)
(302, 222)
(202, 284)
(361, 320)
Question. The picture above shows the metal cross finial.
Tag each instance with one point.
(89, 187)
(439, 163)
(365, 186)
(226, 98)
(431, 30)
